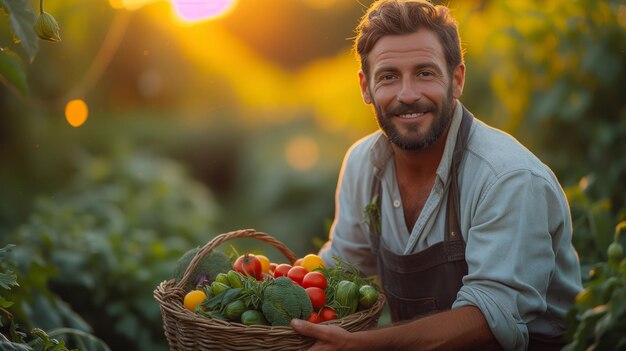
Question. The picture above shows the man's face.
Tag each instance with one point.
(411, 89)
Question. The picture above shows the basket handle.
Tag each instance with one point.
(243, 233)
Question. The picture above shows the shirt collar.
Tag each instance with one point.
(381, 152)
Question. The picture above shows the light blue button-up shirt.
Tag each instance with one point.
(523, 272)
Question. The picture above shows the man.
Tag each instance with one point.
(469, 232)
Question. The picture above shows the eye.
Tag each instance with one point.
(386, 77)
(426, 74)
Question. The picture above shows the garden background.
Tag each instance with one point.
(196, 128)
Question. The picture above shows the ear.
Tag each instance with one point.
(364, 90)
(458, 80)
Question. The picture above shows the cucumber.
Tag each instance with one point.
(234, 310)
(251, 317)
(367, 296)
(347, 296)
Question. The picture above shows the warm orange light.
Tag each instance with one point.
(321, 4)
(302, 153)
(76, 112)
(129, 4)
(583, 183)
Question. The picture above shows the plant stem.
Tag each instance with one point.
(7, 313)
(40, 7)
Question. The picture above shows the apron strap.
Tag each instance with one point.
(453, 229)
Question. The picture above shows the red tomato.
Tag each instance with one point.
(328, 314)
(298, 261)
(314, 318)
(317, 297)
(249, 265)
(281, 270)
(272, 267)
(315, 279)
(297, 273)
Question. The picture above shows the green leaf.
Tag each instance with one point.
(7, 280)
(6, 345)
(22, 20)
(12, 70)
(79, 337)
(7, 248)
(4, 303)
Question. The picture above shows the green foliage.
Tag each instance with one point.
(12, 71)
(24, 28)
(8, 279)
(21, 47)
(598, 319)
(561, 82)
(109, 239)
(592, 222)
(41, 341)
(21, 20)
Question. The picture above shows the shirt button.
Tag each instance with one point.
(396, 203)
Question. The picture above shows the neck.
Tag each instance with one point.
(420, 164)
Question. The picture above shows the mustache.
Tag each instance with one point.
(415, 107)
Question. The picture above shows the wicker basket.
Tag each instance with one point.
(186, 330)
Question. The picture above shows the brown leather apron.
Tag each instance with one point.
(428, 281)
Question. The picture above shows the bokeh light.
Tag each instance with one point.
(302, 153)
(76, 112)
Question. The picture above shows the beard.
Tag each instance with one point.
(413, 139)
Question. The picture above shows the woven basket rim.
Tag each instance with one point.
(171, 303)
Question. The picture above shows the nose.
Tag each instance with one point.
(409, 92)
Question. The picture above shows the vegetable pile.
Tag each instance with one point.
(255, 291)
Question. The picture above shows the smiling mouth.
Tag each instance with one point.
(410, 115)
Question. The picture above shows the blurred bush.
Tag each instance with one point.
(102, 245)
(555, 69)
(598, 319)
(37, 339)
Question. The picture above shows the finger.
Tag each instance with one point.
(307, 328)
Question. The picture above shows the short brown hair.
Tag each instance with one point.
(398, 17)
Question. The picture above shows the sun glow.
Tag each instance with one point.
(190, 11)
(198, 10)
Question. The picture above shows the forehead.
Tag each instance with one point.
(422, 46)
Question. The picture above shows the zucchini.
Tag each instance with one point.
(347, 298)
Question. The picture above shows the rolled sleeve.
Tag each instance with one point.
(510, 256)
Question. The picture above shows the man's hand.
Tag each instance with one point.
(462, 328)
(329, 337)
